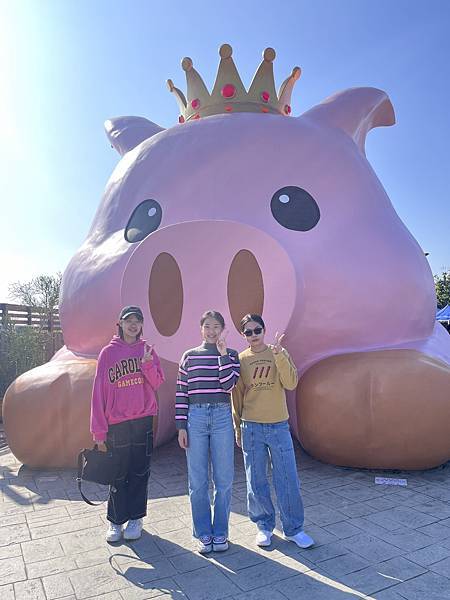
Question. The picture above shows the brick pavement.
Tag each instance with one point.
(373, 541)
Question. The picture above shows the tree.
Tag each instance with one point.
(23, 347)
(442, 284)
(40, 292)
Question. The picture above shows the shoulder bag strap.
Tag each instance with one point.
(79, 481)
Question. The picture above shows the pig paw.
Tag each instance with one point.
(387, 409)
(46, 413)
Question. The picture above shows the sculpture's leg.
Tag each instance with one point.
(386, 409)
(46, 411)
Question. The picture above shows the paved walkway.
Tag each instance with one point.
(373, 541)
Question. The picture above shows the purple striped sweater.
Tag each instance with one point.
(204, 376)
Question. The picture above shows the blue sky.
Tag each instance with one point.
(67, 66)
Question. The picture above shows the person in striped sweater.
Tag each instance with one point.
(206, 376)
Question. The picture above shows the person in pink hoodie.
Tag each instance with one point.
(122, 410)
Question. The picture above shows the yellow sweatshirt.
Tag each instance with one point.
(259, 393)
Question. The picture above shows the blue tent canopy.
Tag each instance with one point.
(443, 314)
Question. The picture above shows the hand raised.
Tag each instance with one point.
(148, 356)
(222, 343)
(276, 347)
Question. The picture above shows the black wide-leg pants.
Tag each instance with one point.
(131, 442)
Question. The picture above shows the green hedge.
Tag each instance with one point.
(22, 349)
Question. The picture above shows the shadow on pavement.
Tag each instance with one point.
(160, 566)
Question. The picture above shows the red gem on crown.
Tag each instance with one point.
(195, 104)
(228, 90)
(265, 96)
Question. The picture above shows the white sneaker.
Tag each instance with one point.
(263, 538)
(302, 539)
(114, 532)
(204, 544)
(133, 529)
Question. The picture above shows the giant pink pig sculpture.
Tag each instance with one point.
(242, 208)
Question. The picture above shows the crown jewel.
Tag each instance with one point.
(229, 93)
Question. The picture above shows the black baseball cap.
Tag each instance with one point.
(131, 310)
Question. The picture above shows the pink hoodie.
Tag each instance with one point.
(124, 387)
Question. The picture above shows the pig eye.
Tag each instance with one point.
(294, 208)
(144, 220)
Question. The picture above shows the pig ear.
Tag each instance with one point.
(125, 133)
(356, 111)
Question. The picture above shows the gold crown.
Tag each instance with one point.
(229, 93)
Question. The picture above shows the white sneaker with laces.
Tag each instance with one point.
(114, 532)
(204, 544)
(302, 539)
(133, 529)
(263, 538)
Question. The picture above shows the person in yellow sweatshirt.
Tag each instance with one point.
(262, 431)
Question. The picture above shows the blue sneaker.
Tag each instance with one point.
(219, 543)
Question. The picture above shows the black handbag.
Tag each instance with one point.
(98, 467)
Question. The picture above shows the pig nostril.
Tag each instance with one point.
(165, 294)
(245, 287)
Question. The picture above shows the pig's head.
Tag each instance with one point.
(243, 208)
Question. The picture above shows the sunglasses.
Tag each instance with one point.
(249, 332)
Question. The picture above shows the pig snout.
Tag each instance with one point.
(226, 266)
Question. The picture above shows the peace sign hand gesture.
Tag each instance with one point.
(148, 349)
(222, 343)
(276, 347)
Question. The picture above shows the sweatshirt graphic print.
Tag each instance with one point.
(259, 395)
(124, 387)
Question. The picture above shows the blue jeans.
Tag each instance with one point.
(262, 442)
(210, 435)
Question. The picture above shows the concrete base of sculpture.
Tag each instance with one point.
(387, 409)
